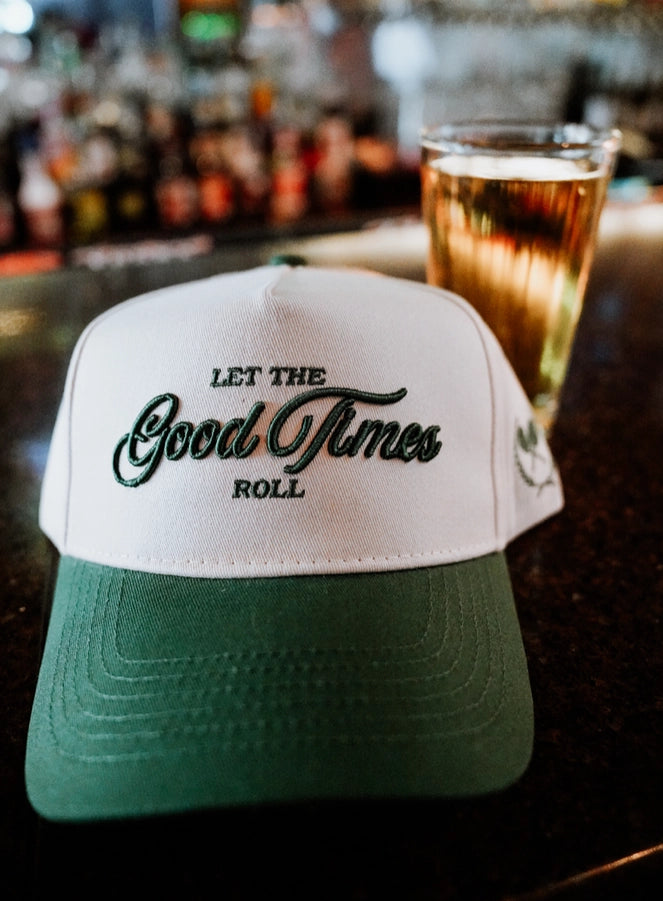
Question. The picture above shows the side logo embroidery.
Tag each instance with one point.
(533, 459)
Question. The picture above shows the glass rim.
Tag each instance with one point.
(517, 136)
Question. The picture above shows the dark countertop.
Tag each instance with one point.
(586, 820)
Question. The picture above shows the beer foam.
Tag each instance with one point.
(526, 168)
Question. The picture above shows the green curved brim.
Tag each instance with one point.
(161, 694)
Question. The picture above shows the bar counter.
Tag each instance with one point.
(586, 819)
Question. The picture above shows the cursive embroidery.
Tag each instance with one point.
(155, 435)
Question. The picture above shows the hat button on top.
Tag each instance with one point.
(288, 259)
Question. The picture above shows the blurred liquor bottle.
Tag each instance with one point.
(88, 200)
(39, 198)
(289, 198)
(175, 186)
(210, 29)
(131, 195)
(7, 218)
(215, 185)
(9, 182)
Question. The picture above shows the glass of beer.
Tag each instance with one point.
(512, 213)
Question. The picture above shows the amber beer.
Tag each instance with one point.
(514, 234)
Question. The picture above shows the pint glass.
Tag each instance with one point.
(512, 213)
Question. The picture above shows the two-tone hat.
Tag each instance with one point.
(281, 499)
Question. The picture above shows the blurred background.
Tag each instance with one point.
(123, 120)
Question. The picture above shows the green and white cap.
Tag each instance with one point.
(281, 499)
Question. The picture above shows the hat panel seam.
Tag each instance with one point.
(461, 304)
(100, 321)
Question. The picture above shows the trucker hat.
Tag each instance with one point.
(281, 499)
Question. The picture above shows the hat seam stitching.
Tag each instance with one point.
(214, 728)
(479, 548)
(464, 306)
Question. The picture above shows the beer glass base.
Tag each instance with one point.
(545, 412)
